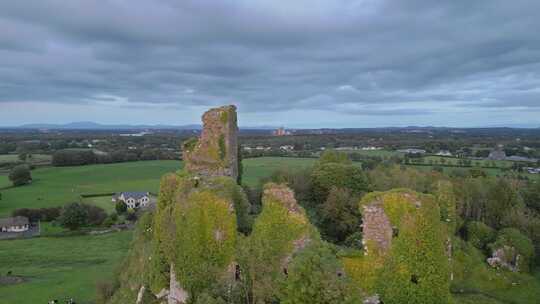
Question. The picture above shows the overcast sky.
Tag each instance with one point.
(311, 63)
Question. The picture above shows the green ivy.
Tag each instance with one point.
(205, 240)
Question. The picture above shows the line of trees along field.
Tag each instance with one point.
(79, 157)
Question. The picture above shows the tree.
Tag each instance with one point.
(120, 207)
(20, 175)
(73, 216)
(315, 277)
(332, 156)
(23, 156)
(328, 175)
(340, 215)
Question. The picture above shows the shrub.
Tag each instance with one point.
(43, 214)
(315, 276)
(76, 215)
(20, 175)
(120, 207)
(332, 156)
(480, 234)
(340, 215)
(96, 215)
(131, 215)
(73, 216)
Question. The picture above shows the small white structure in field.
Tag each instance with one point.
(133, 200)
(14, 224)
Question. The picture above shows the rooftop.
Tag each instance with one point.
(14, 221)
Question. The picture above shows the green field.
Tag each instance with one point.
(256, 168)
(60, 268)
(104, 202)
(56, 186)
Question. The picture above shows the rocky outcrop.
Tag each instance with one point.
(215, 153)
(505, 257)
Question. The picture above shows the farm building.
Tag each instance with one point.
(14, 224)
(133, 200)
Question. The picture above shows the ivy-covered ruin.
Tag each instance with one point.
(201, 245)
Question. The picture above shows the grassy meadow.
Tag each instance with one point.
(56, 186)
(61, 267)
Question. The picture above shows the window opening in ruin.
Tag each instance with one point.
(395, 231)
(237, 272)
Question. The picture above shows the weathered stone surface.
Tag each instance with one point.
(283, 194)
(372, 300)
(215, 153)
(376, 228)
(505, 257)
(177, 295)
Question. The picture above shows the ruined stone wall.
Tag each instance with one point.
(215, 153)
(376, 228)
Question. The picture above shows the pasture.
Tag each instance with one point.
(60, 267)
(56, 186)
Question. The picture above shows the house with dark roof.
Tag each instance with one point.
(14, 224)
(133, 200)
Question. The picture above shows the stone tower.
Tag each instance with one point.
(215, 152)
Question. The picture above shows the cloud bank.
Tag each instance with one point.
(296, 63)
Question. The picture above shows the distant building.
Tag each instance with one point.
(14, 224)
(133, 200)
(371, 148)
(497, 155)
(281, 132)
(444, 153)
(532, 170)
(287, 148)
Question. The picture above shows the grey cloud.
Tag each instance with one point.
(274, 56)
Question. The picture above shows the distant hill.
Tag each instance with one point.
(89, 125)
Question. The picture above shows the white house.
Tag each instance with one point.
(14, 224)
(444, 153)
(133, 200)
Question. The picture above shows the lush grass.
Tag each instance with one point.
(104, 202)
(60, 268)
(476, 282)
(256, 168)
(49, 229)
(56, 186)
(4, 181)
